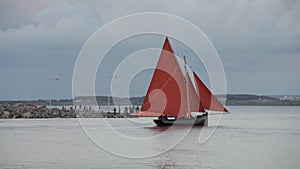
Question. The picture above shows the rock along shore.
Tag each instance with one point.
(19, 110)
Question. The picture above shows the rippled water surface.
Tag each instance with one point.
(250, 137)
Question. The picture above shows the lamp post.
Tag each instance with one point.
(108, 87)
(50, 82)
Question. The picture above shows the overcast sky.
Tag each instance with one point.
(258, 41)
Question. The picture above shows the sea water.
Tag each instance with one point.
(250, 137)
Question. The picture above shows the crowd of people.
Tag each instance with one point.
(118, 109)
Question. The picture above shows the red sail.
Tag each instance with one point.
(166, 93)
(195, 105)
(208, 100)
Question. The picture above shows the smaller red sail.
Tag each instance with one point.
(195, 104)
(208, 100)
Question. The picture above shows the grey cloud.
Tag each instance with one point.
(253, 38)
(15, 13)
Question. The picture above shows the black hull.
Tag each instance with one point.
(200, 120)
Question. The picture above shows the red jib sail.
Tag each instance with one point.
(166, 93)
(207, 99)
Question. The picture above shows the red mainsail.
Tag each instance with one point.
(166, 93)
(207, 99)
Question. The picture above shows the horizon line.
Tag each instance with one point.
(31, 99)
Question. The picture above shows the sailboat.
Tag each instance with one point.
(172, 97)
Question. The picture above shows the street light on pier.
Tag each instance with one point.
(50, 82)
(108, 85)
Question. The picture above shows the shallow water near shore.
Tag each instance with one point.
(250, 137)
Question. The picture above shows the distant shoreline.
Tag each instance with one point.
(83, 107)
(231, 100)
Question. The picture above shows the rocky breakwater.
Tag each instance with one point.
(19, 110)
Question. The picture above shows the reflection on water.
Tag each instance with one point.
(250, 137)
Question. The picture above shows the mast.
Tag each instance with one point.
(187, 88)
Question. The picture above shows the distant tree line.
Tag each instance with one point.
(231, 99)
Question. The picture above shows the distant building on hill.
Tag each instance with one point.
(290, 98)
